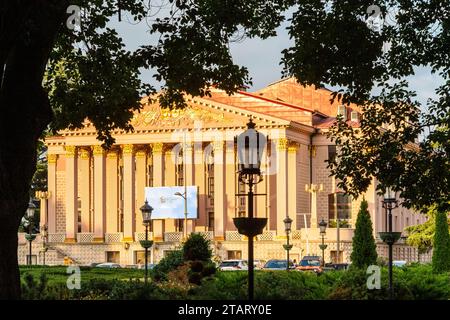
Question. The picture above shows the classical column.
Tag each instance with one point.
(200, 177)
(219, 187)
(261, 188)
(43, 196)
(141, 183)
(71, 194)
(189, 167)
(158, 181)
(230, 183)
(84, 191)
(128, 195)
(314, 189)
(282, 209)
(99, 193)
(170, 180)
(51, 187)
(112, 192)
(292, 183)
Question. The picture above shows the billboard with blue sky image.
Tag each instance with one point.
(167, 205)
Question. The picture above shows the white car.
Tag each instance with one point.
(399, 263)
(109, 265)
(233, 265)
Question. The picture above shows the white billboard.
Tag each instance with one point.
(167, 205)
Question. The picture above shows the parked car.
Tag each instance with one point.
(150, 266)
(228, 265)
(337, 266)
(276, 264)
(310, 263)
(94, 264)
(109, 265)
(259, 264)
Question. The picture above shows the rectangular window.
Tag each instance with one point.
(331, 153)
(179, 225)
(210, 221)
(234, 254)
(150, 172)
(113, 256)
(180, 174)
(139, 257)
(241, 200)
(341, 203)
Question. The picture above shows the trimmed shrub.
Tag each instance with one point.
(364, 251)
(173, 260)
(441, 249)
(197, 247)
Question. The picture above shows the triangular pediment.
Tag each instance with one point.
(200, 113)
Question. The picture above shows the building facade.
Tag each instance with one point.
(91, 209)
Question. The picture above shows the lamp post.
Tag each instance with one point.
(323, 246)
(287, 227)
(390, 202)
(183, 195)
(30, 223)
(146, 210)
(250, 146)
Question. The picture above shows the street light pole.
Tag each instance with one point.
(323, 246)
(287, 227)
(146, 210)
(250, 145)
(390, 202)
(30, 222)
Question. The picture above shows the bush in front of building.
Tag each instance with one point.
(441, 246)
(173, 260)
(197, 248)
(364, 251)
(414, 282)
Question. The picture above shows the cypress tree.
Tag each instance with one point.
(364, 251)
(441, 246)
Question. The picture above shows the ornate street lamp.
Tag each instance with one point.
(29, 222)
(390, 202)
(287, 227)
(250, 147)
(323, 246)
(146, 210)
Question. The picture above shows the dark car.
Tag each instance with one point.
(275, 264)
(337, 266)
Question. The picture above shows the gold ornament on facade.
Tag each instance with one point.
(282, 144)
(98, 150)
(141, 154)
(293, 147)
(43, 195)
(157, 148)
(176, 117)
(52, 158)
(84, 154)
(70, 151)
(127, 149)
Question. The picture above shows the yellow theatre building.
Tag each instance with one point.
(91, 208)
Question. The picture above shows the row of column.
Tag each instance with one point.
(105, 207)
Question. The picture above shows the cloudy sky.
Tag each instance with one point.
(262, 58)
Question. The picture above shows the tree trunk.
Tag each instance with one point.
(24, 114)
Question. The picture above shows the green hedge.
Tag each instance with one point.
(414, 282)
